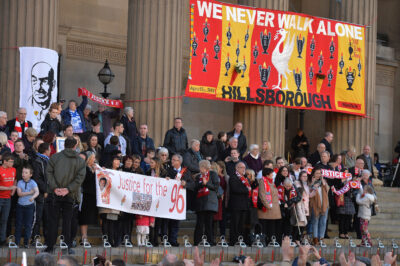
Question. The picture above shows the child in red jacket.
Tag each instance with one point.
(143, 224)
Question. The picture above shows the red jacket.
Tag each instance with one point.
(143, 220)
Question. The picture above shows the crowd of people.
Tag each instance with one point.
(228, 181)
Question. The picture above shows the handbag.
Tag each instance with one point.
(339, 200)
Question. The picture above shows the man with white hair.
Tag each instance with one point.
(87, 117)
(327, 140)
(3, 123)
(233, 144)
(19, 124)
(129, 123)
(316, 156)
(192, 157)
(253, 159)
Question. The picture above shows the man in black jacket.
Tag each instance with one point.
(238, 133)
(369, 161)
(182, 174)
(176, 139)
(316, 156)
(143, 142)
(96, 125)
(327, 140)
(239, 194)
(39, 166)
(192, 157)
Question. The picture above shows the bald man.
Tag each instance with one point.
(21, 125)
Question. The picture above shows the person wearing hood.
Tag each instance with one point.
(208, 147)
(253, 159)
(65, 173)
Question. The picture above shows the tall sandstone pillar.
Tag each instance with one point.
(154, 59)
(349, 129)
(263, 122)
(23, 23)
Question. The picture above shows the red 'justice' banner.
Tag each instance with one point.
(270, 57)
(100, 100)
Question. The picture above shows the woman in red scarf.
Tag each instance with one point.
(270, 214)
(206, 203)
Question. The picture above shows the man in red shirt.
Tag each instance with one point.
(7, 189)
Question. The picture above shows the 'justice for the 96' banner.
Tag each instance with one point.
(270, 57)
(145, 195)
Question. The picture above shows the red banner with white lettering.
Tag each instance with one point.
(270, 57)
(100, 100)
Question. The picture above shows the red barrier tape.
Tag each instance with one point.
(155, 99)
(85, 257)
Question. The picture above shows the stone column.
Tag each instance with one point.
(263, 122)
(154, 58)
(350, 129)
(23, 23)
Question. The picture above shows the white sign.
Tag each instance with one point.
(145, 195)
(38, 84)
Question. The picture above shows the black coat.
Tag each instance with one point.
(11, 125)
(328, 146)
(89, 184)
(100, 137)
(130, 131)
(52, 125)
(371, 161)
(238, 194)
(209, 149)
(191, 161)
(39, 166)
(176, 141)
(314, 158)
(221, 150)
(301, 150)
(209, 202)
(148, 144)
(5, 130)
(242, 142)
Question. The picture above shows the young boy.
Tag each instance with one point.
(27, 191)
(7, 189)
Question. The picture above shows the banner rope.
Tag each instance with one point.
(155, 99)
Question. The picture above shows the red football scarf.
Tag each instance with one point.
(343, 190)
(179, 175)
(281, 193)
(18, 127)
(202, 192)
(245, 182)
(330, 174)
(268, 196)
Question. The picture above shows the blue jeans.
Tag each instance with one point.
(25, 215)
(319, 225)
(5, 205)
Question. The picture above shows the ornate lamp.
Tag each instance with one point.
(105, 76)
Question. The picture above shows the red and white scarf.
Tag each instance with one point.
(245, 182)
(343, 190)
(268, 196)
(18, 127)
(202, 192)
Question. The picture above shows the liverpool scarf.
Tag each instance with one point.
(18, 127)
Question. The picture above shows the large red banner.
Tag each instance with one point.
(270, 57)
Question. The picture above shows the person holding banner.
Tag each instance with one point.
(177, 172)
(319, 204)
(160, 224)
(206, 203)
(73, 115)
(345, 208)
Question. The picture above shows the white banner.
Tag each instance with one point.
(145, 195)
(38, 84)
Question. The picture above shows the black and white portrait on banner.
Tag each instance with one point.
(38, 84)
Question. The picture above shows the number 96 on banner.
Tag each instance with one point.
(177, 199)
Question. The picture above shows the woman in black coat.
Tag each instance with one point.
(208, 147)
(206, 203)
(88, 208)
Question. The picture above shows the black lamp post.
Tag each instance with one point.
(105, 76)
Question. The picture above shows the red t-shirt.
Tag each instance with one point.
(7, 178)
